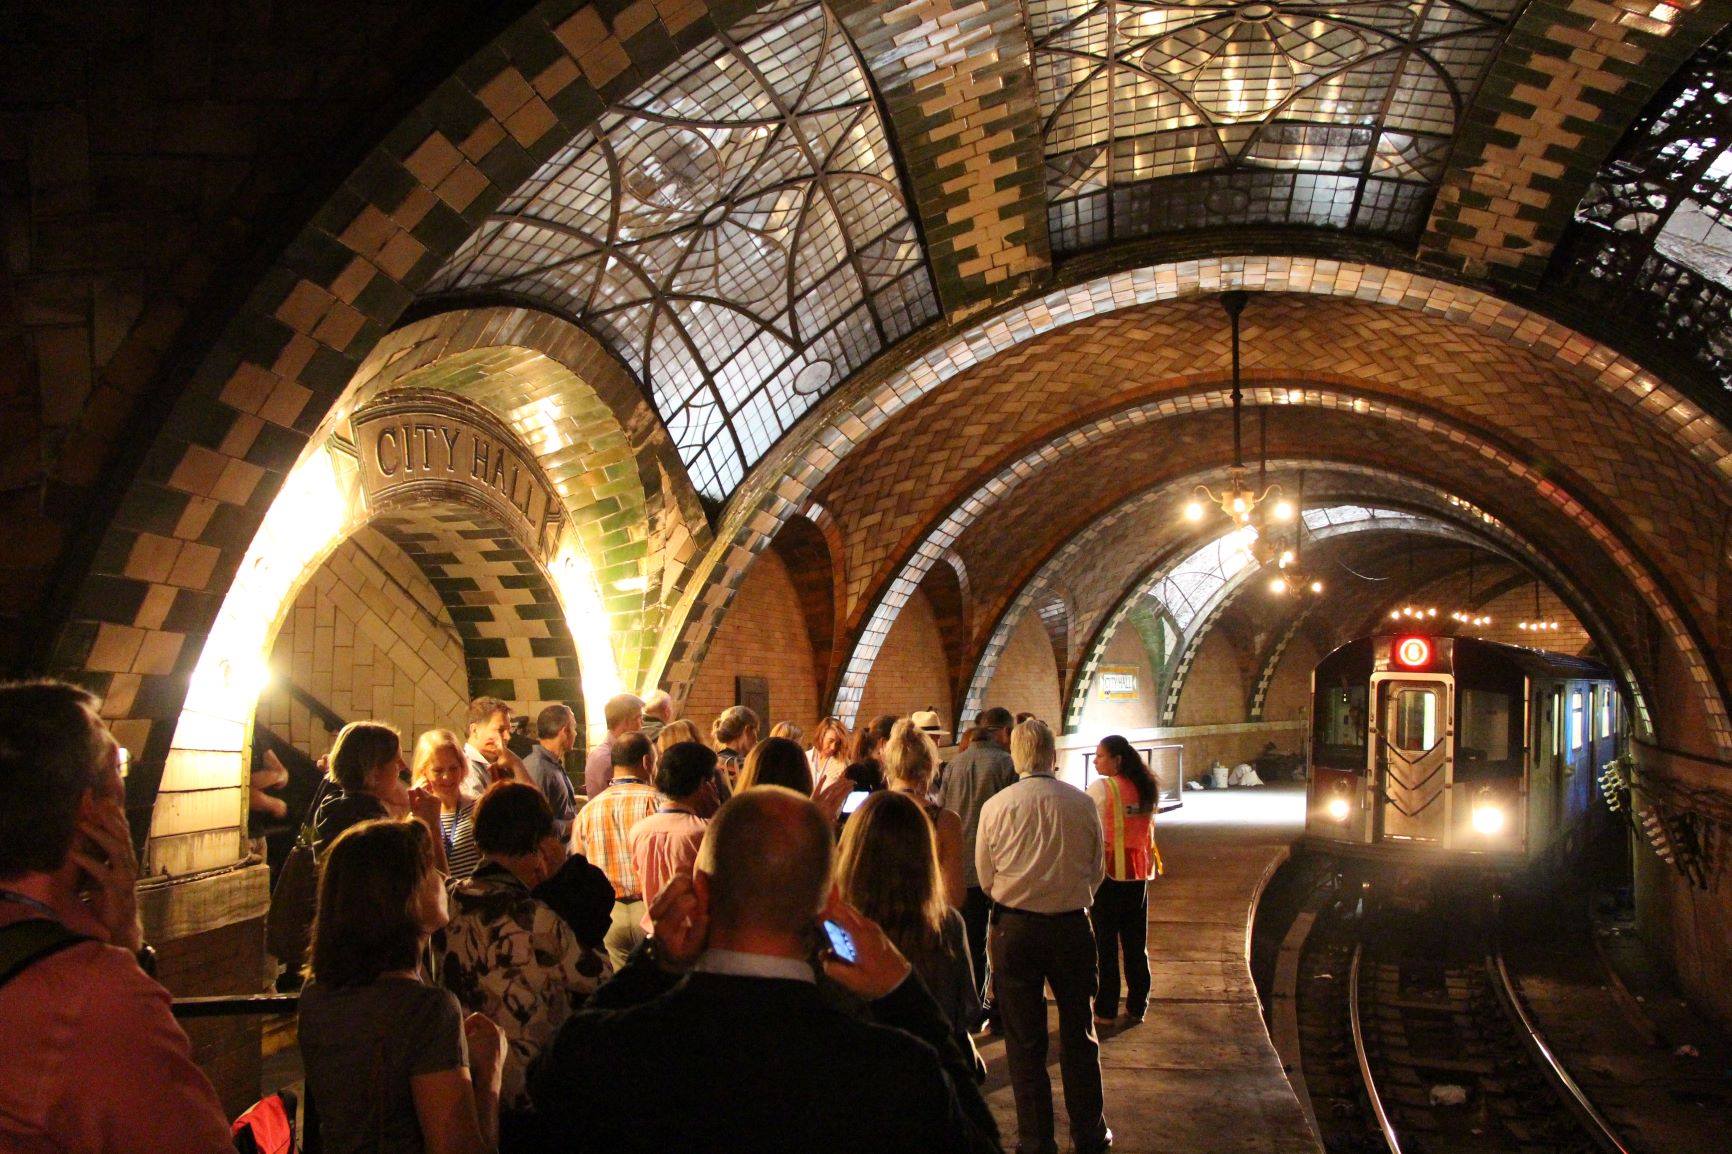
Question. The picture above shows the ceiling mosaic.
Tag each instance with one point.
(1195, 113)
(736, 234)
(1653, 235)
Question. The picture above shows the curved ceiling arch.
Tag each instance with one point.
(867, 638)
(792, 472)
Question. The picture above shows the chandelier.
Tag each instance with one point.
(1237, 500)
(1471, 617)
(1290, 575)
(1539, 623)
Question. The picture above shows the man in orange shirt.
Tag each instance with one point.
(665, 844)
(93, 1057)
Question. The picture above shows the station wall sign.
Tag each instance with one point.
(1118, 682)
(432, 446)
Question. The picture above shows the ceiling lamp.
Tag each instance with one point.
(1237, 500)
(1469, 617)
(1539, 623)
(1290, 575)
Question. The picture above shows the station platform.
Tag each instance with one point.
(1200, 1073)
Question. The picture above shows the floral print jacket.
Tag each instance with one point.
(509, 956)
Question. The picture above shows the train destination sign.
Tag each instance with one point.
(420, 445)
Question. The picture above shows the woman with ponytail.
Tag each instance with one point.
(910, 761)
(1126, 795)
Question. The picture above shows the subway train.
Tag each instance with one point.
(1452, 747)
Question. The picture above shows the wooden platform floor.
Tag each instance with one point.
(1200, 1074)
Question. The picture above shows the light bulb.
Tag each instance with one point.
(1316, 586)
(1278, 585)
(1239, 504)
(1194, 511)
(1283, 510)
(1286, 558)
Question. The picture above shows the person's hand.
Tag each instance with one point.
(271, 775)
(486, 1050)
(831, 796)
(507, 766)
(424, 807)
(881, 966)
(103, 854)
(678, 924)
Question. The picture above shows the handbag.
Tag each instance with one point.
(289, 924)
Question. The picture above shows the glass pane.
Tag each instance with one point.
(1415, 720)
(1578, 720)
(1484, 726)
(1341, 727)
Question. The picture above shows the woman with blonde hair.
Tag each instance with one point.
(440, 767)
(888, 870)
(735, 732)
(910, 761)
(390, 1059)
(675, 732)
(788, 730)
(829, 753)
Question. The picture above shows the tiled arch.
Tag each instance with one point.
(1000, 485)
(802, 462)
(322, 303)
(598, 440)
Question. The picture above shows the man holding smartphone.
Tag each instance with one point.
(93, 1057)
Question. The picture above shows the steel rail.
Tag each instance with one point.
(1383, 1122)
(1591, 1119)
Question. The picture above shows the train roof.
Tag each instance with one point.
(1533, 662)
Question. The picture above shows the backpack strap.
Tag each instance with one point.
(24, 943)
(1117, 805)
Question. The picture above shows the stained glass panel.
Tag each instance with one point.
(735, 233)
(1169, 114)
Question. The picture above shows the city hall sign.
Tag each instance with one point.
(428, 448)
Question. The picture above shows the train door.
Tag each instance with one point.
(1412, 757)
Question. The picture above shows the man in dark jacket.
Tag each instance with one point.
(745, 1053)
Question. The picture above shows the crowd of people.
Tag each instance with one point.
(731, 944)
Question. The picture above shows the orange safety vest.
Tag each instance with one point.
(1144, 827)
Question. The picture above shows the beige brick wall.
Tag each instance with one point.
(369, 637)
(910, 673)
(763, 634)
(1289, 694)
(1516, 606)
(1214, 692)
(1027, 675)
(1100, 716)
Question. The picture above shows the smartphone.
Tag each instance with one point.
(841, 943)
(852, 801)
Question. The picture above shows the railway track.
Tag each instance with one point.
(1415, 1040)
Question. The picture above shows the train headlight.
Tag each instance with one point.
(1488, 817)
(1338, 808)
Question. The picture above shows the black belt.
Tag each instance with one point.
(628, 901)
(1003, 909)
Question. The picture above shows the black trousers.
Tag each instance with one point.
(1030, 953)
(1121, 921)
(976, 911)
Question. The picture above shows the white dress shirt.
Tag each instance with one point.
(1040, 847)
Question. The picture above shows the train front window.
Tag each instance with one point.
(1341, 727)
(1415, 720)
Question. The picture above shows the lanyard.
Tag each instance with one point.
(17, 898)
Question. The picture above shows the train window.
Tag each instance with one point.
(1416, 720)
(1341, 727)
(1578, 719)
(1605, 711)
(1485, 726)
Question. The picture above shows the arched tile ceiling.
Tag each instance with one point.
(735, 233)
(1191, 113)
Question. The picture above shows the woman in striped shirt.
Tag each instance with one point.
(440, 768)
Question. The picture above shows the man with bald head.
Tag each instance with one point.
(744, 1053)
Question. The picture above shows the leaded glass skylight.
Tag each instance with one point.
(1191, 113)
(1653, 238)
(735, 233)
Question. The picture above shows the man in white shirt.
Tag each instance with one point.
(1040, 855)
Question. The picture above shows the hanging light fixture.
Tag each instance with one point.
(1470, 616)
(1290, 575)
(1237, 500)
(1539, 623)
